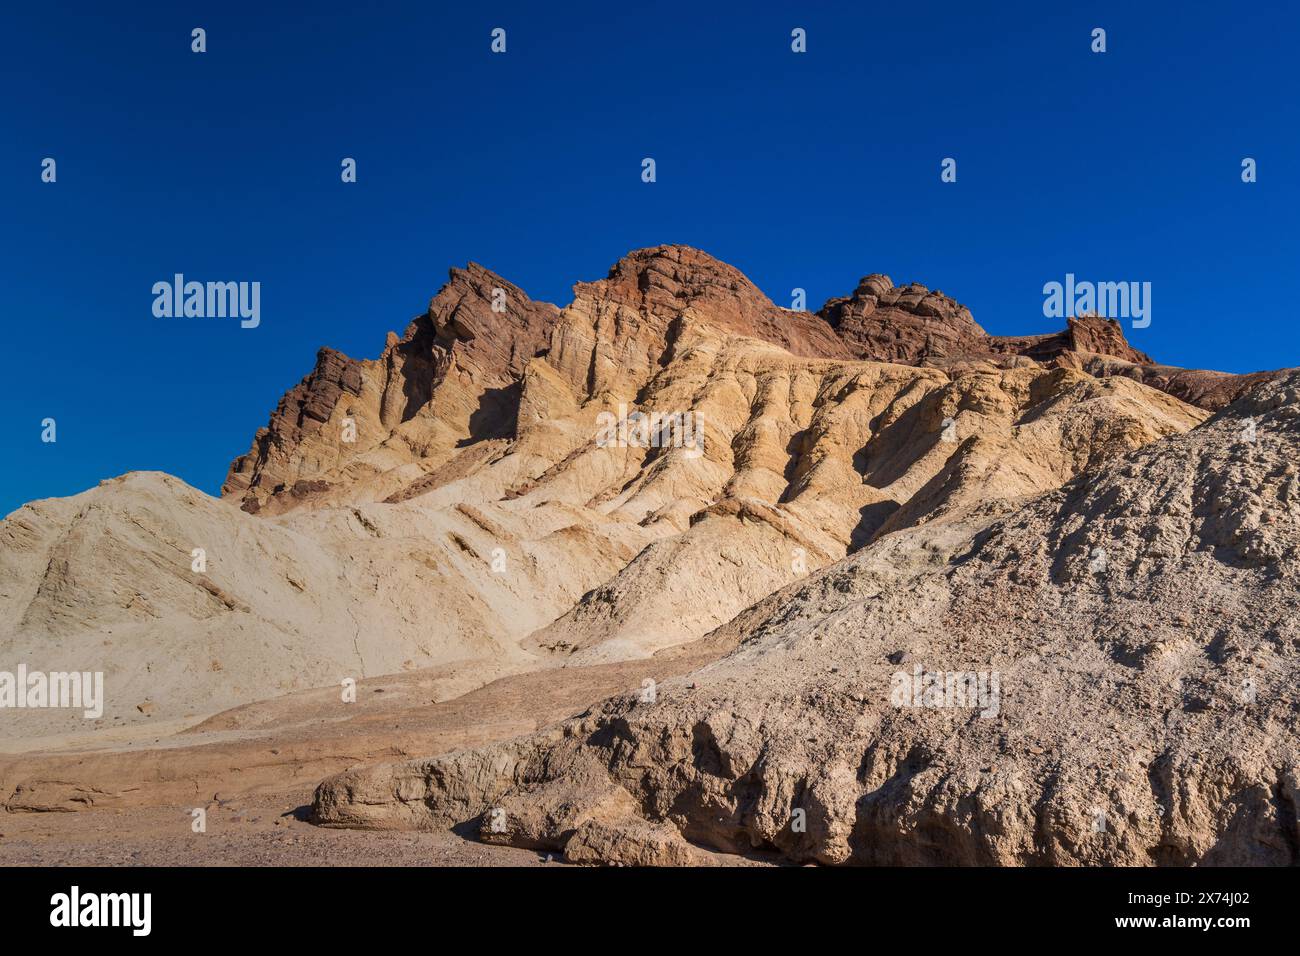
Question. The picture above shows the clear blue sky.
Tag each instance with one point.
(802, 170)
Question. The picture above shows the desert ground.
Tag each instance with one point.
(131, 802)
(675, 576)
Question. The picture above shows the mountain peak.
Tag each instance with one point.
(458, 374)
(907, 324)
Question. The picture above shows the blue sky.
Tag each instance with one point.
(802, 170)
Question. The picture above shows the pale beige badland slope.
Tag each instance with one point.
(474, 524)
(1142, 620)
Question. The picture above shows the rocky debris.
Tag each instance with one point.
(633, 843)
(1140, 624)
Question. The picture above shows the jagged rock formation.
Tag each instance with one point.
(447, 504)
(908, 325)
(1140, 621)
(1086, 338)
(464, 374)
(449, 378)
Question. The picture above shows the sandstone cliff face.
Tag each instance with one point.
(1140, 621)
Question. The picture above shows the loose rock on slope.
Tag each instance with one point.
(1141, 624)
